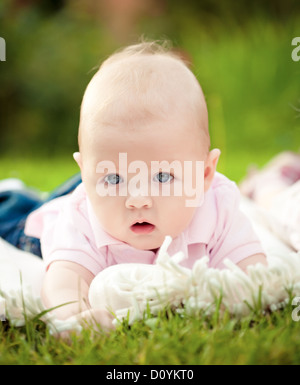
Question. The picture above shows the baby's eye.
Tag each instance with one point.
(113, 179)
(163, 177)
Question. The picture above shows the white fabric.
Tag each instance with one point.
(11, 184)
(285, 216)
(133, 288)
(21, 277)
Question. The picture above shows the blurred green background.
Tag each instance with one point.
(240, 52)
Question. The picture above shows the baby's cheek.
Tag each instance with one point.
(108, 210)
(181, 218)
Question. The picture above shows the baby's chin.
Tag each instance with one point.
(146, 244)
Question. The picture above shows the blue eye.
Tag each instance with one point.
(113, 179)
(164, 177)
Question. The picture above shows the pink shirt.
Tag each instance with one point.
(69, 231)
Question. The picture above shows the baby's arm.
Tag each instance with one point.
(66, 282)
(252, 260)
(69, 282)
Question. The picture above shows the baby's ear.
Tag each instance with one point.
(77, 158)
(210, 167)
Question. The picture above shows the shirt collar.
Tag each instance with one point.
(102, 238)
(203, 224)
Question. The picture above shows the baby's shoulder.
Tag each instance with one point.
(222, 184)
(225, 191)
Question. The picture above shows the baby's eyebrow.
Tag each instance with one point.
(108, 172)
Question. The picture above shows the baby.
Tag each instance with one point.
(143, 147)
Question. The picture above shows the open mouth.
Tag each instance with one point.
(142, 227)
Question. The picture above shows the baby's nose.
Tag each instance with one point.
(138, 202)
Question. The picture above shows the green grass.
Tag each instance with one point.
(170, 339)
(41, 173)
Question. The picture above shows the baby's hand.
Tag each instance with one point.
(252, 260)
(99, 319)
(95, 320)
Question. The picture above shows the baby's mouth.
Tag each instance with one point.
(142, 228)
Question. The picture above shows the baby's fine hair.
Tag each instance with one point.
(163, 47)
(144, 81)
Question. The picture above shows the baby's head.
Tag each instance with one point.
(143, 128)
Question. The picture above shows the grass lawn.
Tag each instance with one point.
(270, 339)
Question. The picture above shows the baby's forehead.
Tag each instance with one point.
(143, 73)
(150, 141)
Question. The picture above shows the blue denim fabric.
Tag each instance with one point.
(15, 206)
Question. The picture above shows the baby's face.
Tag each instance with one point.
(125, 182)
